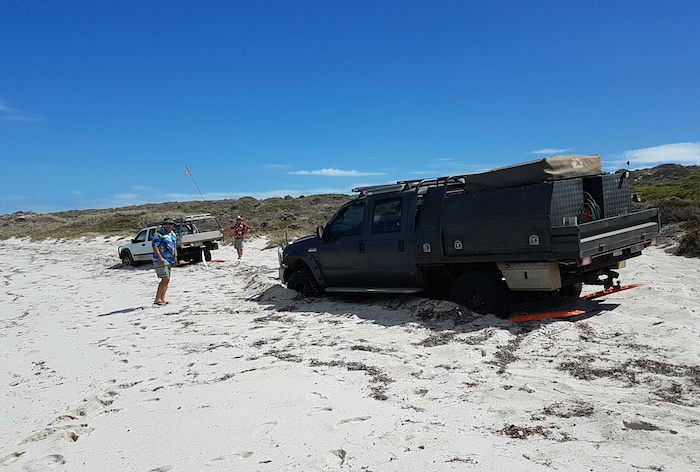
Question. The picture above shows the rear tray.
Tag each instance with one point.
(196, 238)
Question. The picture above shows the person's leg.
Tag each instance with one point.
(160, 292)
(163, 272)
(163, 287)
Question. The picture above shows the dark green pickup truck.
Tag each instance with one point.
(550, 225)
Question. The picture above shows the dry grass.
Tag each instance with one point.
(276, 218)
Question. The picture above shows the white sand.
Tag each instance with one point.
(238, 373)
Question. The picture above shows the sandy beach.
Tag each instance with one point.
(238, 373)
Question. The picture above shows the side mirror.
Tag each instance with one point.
(319, 232)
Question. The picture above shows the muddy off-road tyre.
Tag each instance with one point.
(304, 283)
(483, 293)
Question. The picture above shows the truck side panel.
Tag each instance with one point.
(508, 221)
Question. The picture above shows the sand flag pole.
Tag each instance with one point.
(187, 172)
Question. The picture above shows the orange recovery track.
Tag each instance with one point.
(544, 315)
(610, 290)
(568, 313)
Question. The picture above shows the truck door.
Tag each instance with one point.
(342, 256)
(141, 249)
(387, 244)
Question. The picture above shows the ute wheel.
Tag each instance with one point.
(207, 255)
(572, 291)
(303, 282)
(481, 292)
(127, 260)
(194, 257)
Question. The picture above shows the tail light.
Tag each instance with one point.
(585, 261)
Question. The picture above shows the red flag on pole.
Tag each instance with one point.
(187, 171)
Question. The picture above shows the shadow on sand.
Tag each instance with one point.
(394, 310)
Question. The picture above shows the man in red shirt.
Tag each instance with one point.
(239, 229)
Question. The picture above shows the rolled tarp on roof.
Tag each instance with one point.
(540, 170)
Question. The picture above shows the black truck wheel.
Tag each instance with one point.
(192, 255)
(572, 291)
(127, 260)
(304, 283)
(481, 292)
(207, 255)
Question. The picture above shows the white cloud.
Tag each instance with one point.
(550, 151)
(11, 114)
(335, 173)
(678, 153)
(127, 196)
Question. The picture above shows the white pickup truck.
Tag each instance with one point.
(197, 236)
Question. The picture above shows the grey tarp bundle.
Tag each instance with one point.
(541, 170)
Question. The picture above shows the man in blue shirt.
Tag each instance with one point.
(164, 257)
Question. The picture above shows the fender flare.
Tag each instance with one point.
(310, 262)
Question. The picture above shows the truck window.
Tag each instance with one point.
(141, 237)
(184, 229)
(151, 232)
(386, 217)
(348, 222)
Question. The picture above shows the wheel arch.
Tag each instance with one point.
(294, 264)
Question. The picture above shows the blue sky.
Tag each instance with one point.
(104, 103)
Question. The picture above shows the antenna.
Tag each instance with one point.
(187, 171)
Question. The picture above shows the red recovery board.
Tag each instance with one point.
(568, 313)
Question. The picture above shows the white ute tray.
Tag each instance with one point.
(187, 239)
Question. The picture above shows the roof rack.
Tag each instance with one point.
(376, 189)
(452, 183)
(200, 216)
(188, 219)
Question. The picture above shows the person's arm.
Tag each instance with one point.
(156, 251)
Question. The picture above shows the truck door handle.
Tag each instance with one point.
(402, 247)
(362, 248)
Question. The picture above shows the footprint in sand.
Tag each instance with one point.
(10, 458)
(349, 421)
(264, 429)
(227, 461)
(324, 409)
(70, 433)
(53, 459)
(162, 468)
(332, 460)
(316, 395)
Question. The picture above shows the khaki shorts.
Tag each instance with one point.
(238, 243)
(162, 271)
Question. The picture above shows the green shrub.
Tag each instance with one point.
(689, 244)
